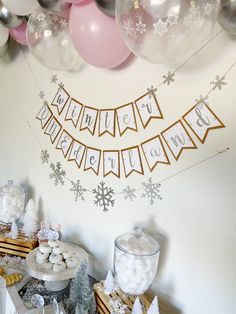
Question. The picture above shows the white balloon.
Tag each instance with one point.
(21, 7)
(4, 34)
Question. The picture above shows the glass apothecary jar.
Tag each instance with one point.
(12, 202)
(135, 261)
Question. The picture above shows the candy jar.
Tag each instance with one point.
(12, 202)
(135, 261)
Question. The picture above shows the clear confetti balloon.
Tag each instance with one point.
(165, 31)
(49, 40)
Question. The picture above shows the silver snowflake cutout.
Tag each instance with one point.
(160, 27)
(103, 196)
(129, 193)
(78, 190)
(140, 27)
(172, 19)
(41, 94)
(57, 174)
(151, 191)
(44, 156)
(151, 90)
(54, 79)
(202, 101)
(61, 85)
(168, 78)
(219, 82)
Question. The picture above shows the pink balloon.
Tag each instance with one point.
(96, 36)
(19, 34)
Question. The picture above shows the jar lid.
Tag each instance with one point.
(10, 189)
(137, 243)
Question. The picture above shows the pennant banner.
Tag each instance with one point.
(200, 119)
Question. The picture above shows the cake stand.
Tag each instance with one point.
(55, 281)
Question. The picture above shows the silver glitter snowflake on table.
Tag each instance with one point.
(219, 82)
(54, 79)
(41, 94)
(168, 78)
(140, 27)
(78, 190)
(151, 90)
(151, 191)
(202, 101)
(117, 306)
(57, 174)
(104, 196)
(160, 27)
(129, 193)
(44, 156)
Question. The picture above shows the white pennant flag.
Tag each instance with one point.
(92, 159)
(60, 100)
(44, 115)
(74, 112)
(111, 162)
(77, 152)
(89, 119)
(132, 160)
(53, 129)
(201, 119)
(126, 118)
(107, 122)
(154, 152)
(64, 142)
(177, 139)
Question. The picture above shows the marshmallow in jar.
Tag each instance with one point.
(135, 261)
(12, 202)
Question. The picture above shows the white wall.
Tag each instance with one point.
(197, 215)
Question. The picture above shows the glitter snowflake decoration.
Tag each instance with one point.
(172, 19)
(41, 17)
(53, 79)
(219, 82)
(151, 191)
(103, 196)
(44, 156)
(57, 174)
(128, 27)
(41, 94)
(61, 85)
(117, 306)
(160, 27)
(78, 190)
(129, 193)
(202, 101)
(140, 27)
(168, 78)
(151, 90)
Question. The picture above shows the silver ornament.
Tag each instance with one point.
(4, 48)
(227, 16)
(106, 6)
(54, 6)
(9, 19)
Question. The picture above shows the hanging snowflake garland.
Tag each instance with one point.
(169, 78)
(151, 191)
(104, 196)
(78, 190)
(44, 156)
(129, 193)
(57, 174)
(219, 82)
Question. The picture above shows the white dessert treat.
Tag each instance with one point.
(71, 262)
(53, 243)
(58, 249)
(59, 267)
(41, 257)
(47, 266)
(55, 258)
(67, 253)
(45, 248)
